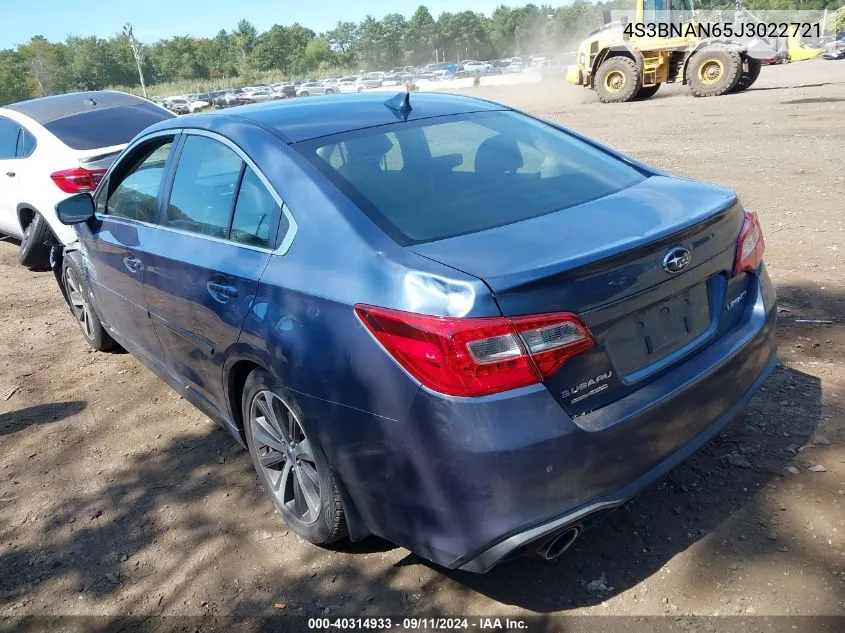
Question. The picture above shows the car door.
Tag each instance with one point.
(127, 206)
(219, 226)
(9, 134)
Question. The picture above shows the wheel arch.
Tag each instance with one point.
(704, 44)
(25, 213)
(237, 370)
(236, 374)
(617, 50)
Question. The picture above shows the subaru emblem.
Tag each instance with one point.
(676, 260)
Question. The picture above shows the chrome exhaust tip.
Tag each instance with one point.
(559, 543)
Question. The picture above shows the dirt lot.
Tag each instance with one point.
(118, 497)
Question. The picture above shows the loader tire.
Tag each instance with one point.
(618, 79)
(714, 71)
(646, 92)
(750, 71)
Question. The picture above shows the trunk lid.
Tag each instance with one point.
(604, 260)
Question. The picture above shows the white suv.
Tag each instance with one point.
(54, 147)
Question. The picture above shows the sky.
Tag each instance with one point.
(158, 19)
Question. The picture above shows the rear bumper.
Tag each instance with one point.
(490, 556)
(466, 481)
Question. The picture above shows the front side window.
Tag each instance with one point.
(446, 176)
(134, 184)
(204, 187)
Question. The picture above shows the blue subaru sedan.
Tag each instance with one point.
(428, 317)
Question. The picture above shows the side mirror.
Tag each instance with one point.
(76, 209)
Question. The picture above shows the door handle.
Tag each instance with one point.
(132, 263)
(222, 292)
(10, 174)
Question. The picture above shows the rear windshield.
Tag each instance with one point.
(446, 176)
(103, 128)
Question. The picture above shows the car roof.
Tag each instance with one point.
(298, 120)
(46, 109)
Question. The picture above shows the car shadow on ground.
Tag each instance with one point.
(14, 421)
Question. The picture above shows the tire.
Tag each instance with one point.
(646, 92)
(750, 71)
(78, 294)
(714, 71)
(305, 495)
(329, 91)
(618, 79)
(35, 245)
(304, 93)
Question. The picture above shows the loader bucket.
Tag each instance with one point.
(797, 53)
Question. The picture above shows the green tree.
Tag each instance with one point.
(343, 37)
(370, 41)
(318, 53)
(394, 27)
(299, 38)
(179, 58)
(119, 62)
(244, 38)
(282, 48)
(420, 37)
(224, 59)
(47, 66)
(13, 75)
(90, 63)
(271, 49)
(464, 35)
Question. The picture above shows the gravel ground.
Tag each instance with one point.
(118, 497)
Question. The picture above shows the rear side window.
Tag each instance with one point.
(446, 176)
(133, 190)
(204, 187)
(254, 222)
(9, 131)
(26, 144)
(95, 129)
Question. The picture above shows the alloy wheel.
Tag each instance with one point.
(79, 304)
(285, 456)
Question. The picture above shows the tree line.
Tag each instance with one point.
(41, 67)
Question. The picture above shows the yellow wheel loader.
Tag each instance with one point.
(627, 60)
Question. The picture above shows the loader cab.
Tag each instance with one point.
(665, 11)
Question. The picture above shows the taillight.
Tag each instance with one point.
(477, 356)
(78, 179)
(750, 245)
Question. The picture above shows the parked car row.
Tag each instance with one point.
(398, 76)
(427, 317)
